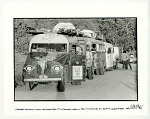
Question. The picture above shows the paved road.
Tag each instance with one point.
(113, 85)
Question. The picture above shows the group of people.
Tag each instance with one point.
(126, 60)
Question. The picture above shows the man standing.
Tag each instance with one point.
(89, 64)
(124, 59)
(128, 61)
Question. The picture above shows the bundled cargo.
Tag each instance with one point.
(89, 33)
(65, 28)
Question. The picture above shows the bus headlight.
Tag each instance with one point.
(57, 68)
(29, 68)
(77, 62)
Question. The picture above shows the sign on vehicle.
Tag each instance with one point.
(77, 72)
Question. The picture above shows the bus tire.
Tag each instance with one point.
(32, 85)
(60, 86)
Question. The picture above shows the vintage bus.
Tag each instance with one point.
(97, 62)
(98, 51)
(109, 56)
(55, 58)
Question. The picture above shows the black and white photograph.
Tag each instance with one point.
(75, 59)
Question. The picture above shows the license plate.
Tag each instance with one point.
(77, 73)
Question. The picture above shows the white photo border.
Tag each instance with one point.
(132, 8)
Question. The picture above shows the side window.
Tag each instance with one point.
(88, 47)
(93, 47)
(77, 49)
(34, 48)
(109, 50)
(74, 48)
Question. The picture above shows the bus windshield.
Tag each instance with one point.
(41, 47)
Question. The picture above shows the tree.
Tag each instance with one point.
(118, 31)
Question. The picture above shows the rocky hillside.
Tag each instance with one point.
(118, 31)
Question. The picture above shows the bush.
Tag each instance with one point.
(19, 62)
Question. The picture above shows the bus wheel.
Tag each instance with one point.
(102, 71)
(32, 85)
(60, 86)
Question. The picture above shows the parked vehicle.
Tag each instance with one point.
(98, 50)
(53, 58)
(97, 62)
(109, 56)
(133, 58)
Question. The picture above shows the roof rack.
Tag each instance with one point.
(71, 32)
(35, 32)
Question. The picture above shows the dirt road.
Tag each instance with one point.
(113, 85)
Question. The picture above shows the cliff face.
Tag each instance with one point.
(118, 31)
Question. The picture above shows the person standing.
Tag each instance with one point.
(117, 58)
(128, 61)
(124, 59)
(89, 64)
